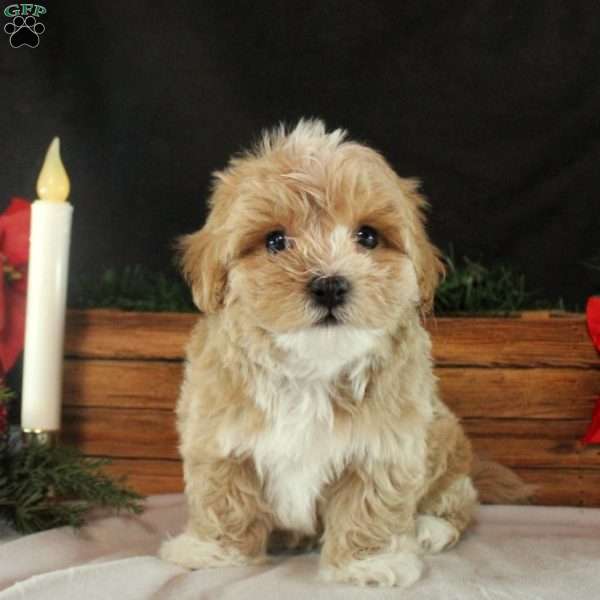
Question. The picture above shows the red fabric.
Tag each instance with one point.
(14, 253)
(593, 320)
(592, 435)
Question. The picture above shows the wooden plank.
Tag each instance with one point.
(532, 442)
(471, 392)
(564, 487)
(148, 476)
(560, 342)
(520, 393)
(122, 384)
(121, 334)
(135, 433)
(554, 487)
(127, 433)
(482, 342)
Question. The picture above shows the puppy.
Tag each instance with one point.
(309, 410)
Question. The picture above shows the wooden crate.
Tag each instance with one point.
(524, 387)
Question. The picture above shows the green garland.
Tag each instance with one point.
(43, 487)
(132, 288)
(469, 287)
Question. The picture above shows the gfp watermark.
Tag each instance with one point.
(24, 27)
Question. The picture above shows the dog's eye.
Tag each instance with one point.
(367, 236)
(276, 241)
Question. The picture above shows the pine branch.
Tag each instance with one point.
(43, 487)
(471, 288)
(131, 288)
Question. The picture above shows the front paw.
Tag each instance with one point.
(191, 552)
(400, 569)
(435, 534)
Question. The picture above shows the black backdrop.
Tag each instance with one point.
(495, 105)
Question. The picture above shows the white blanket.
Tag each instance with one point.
(512, 553)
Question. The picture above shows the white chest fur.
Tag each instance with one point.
(300, 452)
(297, 456)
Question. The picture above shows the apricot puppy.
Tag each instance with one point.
(309, 410)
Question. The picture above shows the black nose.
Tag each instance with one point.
(329, 291)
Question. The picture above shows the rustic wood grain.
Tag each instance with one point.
(532, 442)
(126, 433)
(483, 342)
(564, 487)
(553, 342)
(520, 393)
(525, 388)
(121, 334)
(131, 433)
(487, 393)
(149, 476)
(122, 384)
(554, 487)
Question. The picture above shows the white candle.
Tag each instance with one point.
(46, 297)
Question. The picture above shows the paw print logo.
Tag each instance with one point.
(24, 31)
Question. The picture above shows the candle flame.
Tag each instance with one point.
(53, 183)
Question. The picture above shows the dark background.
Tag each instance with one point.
(495, 105)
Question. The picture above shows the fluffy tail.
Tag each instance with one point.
(497, 484)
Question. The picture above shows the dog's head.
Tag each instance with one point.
(309, 230)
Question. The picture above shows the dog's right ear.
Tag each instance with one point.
(203, 268)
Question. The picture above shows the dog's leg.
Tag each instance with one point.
(447, 507)
(369, 534)
(228, 523)
(443, 518)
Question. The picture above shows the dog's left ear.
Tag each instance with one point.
(426, 257)
(203, 268)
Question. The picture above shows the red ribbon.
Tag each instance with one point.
(592, 435)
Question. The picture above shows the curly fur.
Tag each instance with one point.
(296, 430)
